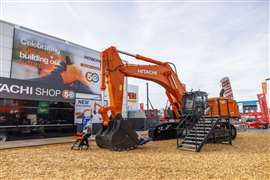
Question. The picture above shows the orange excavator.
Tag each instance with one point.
(116, 134)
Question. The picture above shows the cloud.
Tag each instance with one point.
(205, 40)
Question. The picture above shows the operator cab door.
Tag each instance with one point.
(194, 103)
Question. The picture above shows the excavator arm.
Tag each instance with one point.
(116, 134)
(113, 71)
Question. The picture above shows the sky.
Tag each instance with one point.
(206, 40)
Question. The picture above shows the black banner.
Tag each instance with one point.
(28, 90)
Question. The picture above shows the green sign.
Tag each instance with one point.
(43, 107)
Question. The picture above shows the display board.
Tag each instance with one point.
(40, 58)
(133, 98)
(87, 107)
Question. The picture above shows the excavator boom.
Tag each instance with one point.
(113, 71)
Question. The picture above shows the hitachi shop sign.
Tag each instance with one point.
(12, 88)
(15, 89)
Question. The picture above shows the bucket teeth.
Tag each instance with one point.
(117, 136)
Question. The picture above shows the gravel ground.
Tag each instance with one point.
(248, 158)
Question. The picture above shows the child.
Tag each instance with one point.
(87, 129)
(86, 135)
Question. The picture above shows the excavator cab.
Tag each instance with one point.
(194, 106)
(194, 103)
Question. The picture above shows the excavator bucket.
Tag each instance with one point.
(117, 136)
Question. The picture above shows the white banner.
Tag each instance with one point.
(87, 107)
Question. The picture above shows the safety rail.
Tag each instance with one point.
(179, 130)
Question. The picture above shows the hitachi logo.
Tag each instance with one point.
(146, 71)
(38, 91)
(15, 89)
(91, 59)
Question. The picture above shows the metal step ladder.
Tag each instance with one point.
(197, 136)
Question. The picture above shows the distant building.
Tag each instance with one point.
(248, 106)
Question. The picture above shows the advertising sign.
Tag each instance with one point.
(40, 58)
(21, 89)
(226, 86)
(86, 108)
(133, 92)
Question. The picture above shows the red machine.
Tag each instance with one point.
(262, 119)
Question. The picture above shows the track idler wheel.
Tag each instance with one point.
(117, 136)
